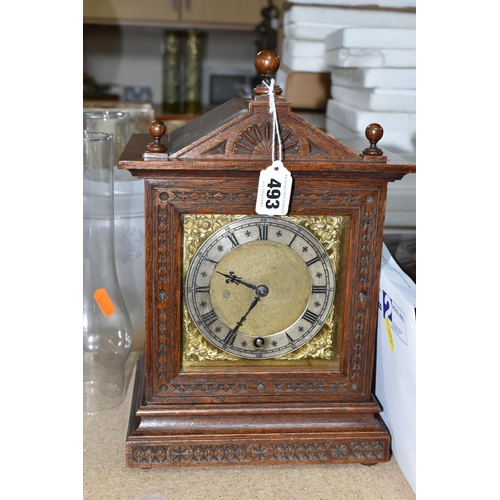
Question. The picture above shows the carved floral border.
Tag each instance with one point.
(334, 451)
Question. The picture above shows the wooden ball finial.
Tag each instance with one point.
(157, 129)
(373, 133)
(267, 63)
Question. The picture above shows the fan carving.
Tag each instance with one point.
(258, 140)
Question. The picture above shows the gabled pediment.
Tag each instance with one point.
(241, 130)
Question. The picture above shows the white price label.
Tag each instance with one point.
(275, 187)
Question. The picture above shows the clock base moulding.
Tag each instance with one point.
(255, 434)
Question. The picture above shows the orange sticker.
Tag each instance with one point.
(104, 302)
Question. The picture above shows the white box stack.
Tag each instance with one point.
(373, 73)
(370, 53)
(306, 24)
(373, 80)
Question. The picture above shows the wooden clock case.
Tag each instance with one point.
(258, 416)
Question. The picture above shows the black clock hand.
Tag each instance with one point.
(232, 278)
(232, 333)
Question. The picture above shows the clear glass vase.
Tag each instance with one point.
(107, 329)
(129, 220)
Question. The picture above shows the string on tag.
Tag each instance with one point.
(272, 110)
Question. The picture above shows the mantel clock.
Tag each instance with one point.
(260, 329)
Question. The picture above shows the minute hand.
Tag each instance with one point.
(232, 333)
(232, 278)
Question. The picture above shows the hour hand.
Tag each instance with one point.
(232, 334)
(232, 278)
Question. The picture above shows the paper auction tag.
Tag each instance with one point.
(275, 187)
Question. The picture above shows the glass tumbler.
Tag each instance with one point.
(107, 329)
(116, 123)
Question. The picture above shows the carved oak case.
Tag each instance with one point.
(197, 403)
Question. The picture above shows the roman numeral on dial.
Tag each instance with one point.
(233, 239)
(319, 289)
(263, 232)
(312, 261)
(310, 316)
(209, 317)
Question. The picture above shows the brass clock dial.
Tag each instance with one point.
(260, 287)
